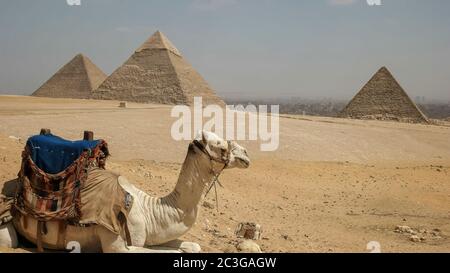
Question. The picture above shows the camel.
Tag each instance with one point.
(154, 223)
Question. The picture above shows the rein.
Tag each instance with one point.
(216, 175)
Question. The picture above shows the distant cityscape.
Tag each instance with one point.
(330, 107)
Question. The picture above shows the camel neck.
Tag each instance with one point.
(194, 176)
(180, 207)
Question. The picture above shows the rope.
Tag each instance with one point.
(215, 180)
(216, 176)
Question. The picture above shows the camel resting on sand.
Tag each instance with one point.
(154, 223)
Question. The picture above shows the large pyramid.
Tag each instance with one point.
(77, 79)
(156, 72)
(383, 98)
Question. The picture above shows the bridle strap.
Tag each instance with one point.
(205, 151)
(216, 175)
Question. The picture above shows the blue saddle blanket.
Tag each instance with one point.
(53, 154)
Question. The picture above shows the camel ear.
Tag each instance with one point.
(204, 138)
(201, 136)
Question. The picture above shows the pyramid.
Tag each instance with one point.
(383, 98)
(158, 73)
(74, 80)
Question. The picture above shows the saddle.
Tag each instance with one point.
(53, 154)
(52, 182)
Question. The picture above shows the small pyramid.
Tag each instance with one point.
(74, 80)
(383, 98)
(156, 73)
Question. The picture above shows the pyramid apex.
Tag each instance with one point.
(80, 55)
(159, 41)
(383, 69)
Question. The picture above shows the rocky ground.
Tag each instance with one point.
(334, 185)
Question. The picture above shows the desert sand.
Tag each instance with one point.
(333, 185)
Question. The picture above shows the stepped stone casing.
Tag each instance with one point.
(158, 73)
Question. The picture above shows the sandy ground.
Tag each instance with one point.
(332, 186)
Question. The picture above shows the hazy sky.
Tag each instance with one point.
(310, 48)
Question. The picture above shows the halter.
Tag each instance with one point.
(216, 175)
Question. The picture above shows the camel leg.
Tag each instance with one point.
(185, 247)
(8, 236)
(112, 243)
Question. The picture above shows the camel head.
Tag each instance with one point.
(221, 152)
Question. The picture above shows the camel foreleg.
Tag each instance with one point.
(185, 247)
(8, 236)
(113, 243)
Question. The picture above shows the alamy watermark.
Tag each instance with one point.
(374, 2)
(230, 123)
(73, 2)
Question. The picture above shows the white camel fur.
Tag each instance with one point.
(154, 223)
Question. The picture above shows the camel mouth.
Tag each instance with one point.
(244, 162)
